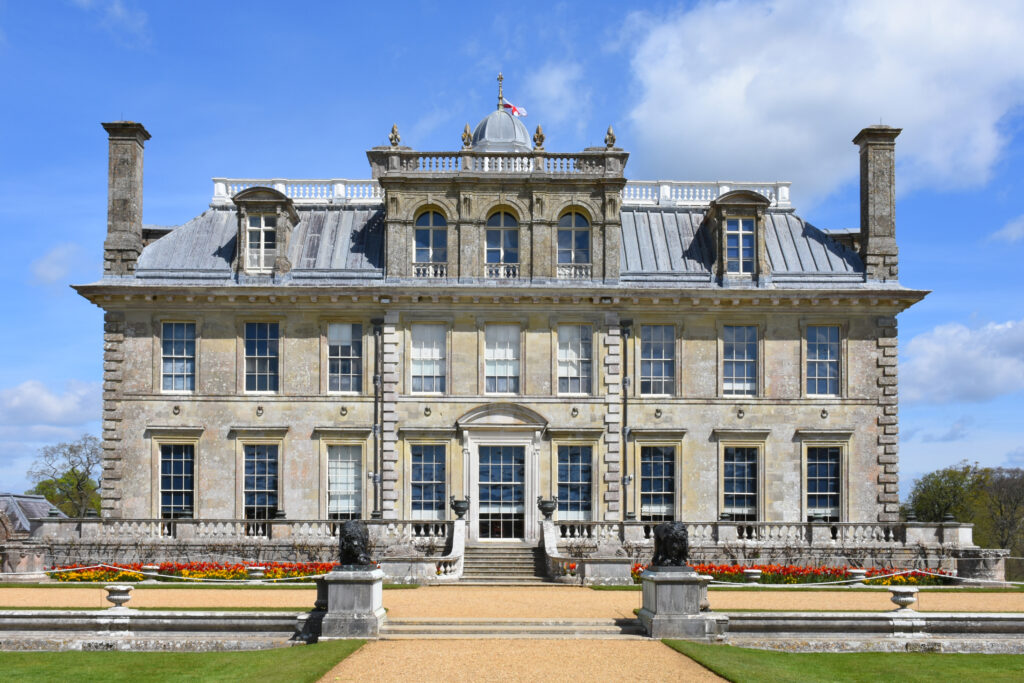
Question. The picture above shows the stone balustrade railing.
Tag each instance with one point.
(635, 193)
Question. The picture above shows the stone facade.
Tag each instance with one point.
(358, 261)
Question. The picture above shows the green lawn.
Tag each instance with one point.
(298, 663)
(743, 665)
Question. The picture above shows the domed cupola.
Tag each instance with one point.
(500, 131)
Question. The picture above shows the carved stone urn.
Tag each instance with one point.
(119, 594)
(547, 506)
(460, 507)
(903, 597)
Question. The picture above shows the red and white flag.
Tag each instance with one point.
(512, 109)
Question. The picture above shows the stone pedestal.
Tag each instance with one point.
(675, 605)
(349, 604)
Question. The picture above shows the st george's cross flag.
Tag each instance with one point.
(512, 109)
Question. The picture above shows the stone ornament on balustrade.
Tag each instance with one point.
(119, 594)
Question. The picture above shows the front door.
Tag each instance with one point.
(502, 491)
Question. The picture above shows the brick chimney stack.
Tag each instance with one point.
(878, 201)
(124, 197)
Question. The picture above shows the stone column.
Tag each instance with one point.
(611, 337)
(389, 436)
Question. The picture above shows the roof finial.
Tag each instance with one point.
(501, 97)
(609, 138)
(394, 138)
(467, 138)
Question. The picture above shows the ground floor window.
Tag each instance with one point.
(261, 485)
(575, 479)
(739, 483)
(823, 482)
(177, 481)
(344, 482)
(657, 483)
(428, 481)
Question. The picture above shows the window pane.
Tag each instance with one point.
(344, 482)
(428, 481)
(739, 483)
(657, 483)
(178, 356)
(428, 358)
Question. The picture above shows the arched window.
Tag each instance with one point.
(573, 245)
(502, 245)
(431, 238)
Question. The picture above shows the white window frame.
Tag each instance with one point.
(261, 229)
(436, 354)
(356, 358)
(663, 380)
(243, 445)
(744, 231)
(435, 514)
(584, 514)
(572, 229)
(727, 382)
(674, 446)
(575, 359)
(758, 506)
(432, 227)
(807, 360)
(838, 510)
(502, 358)
(357, 488)
(277, 356)
(175, 356)
(501, 227)
(158, 476)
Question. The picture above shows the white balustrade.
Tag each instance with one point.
(503, 271)
(574, 271)
(433, 270)
(686, 193)
(303, 192)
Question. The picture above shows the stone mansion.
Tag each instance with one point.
(500, 324)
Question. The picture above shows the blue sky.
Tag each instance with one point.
(705, 91)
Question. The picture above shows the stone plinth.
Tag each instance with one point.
(675, 605)
(349, 604)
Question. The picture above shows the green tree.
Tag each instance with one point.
(952, 490)
(67, 475)
(1002, 501)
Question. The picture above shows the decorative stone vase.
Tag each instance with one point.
(858, 576)
(460, 507)
(547, 506)
(752, 575)
(256, 573)
(119, 594)
(150, 571)
(903, 596)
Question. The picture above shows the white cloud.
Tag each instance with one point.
(955, 363)
(956, 432)
(1013, 231)
(128, 25)
(775, 90)
(1015, 458)
(556, 92)
(32, 404)
(54, 266)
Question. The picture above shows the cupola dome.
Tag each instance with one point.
(501, 132)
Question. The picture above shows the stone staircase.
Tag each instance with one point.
(503, 565)
(396, 629)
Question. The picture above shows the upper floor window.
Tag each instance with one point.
(739, 360)
(739, 245)
(344, 357)
(178, 367)
(262, 243)
(431, 245)
(501, 359)
(502, 245)
(574, 246)
(739, 483)
(823, 360)
(261, 356)
(657, 359)
(575, 359)
(823, 482)
(428, 370)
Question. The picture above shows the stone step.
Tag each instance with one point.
(512, 628)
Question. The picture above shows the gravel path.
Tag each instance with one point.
(481, 601)
(517, 660)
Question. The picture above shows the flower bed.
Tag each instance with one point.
(779, 573)
(298, 571)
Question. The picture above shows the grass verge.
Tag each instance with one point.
(298, 663)
(741, 664)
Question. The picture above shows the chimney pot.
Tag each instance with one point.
(878, 201)
(124, 197)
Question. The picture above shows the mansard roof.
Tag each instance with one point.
(663, 245)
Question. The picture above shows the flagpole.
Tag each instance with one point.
(501, 97)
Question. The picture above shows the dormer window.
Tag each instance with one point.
(739, 246)
(502, 246)
(574, 246)
(262, 243)
(431, 251)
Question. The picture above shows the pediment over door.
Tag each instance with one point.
(502, 416)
